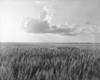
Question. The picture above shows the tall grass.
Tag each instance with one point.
(61, 63)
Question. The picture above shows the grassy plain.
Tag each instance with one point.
(49, 61)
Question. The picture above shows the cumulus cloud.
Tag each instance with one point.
(37, 26)
(42, 25)
(46, 13)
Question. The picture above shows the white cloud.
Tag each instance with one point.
(42, 25)
(47, 12)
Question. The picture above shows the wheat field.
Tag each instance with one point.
(50, 61)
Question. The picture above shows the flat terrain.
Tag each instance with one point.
(49, 61)
(50, 45)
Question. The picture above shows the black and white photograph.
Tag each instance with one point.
(49, 39)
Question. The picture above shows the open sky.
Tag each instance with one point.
(50, 21)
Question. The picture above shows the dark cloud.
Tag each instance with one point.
(37, 26)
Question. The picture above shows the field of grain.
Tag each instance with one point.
(39, 61)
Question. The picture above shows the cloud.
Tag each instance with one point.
(75, 29)
(47, 11)
(36, 26)
(42, 25)
(85, 29)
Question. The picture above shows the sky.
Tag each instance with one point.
(50, 21)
